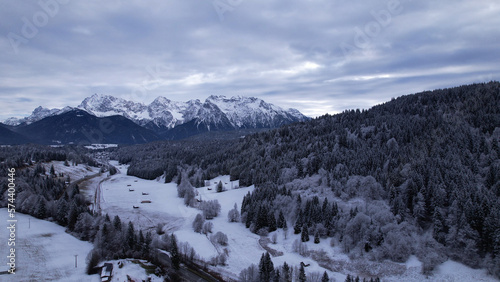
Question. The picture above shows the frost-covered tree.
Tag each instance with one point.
(220, 238)
(233, 215)
(207, 227)
(210, 208)
(198, 222)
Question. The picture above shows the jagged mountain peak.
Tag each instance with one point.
(163, 114)
(37, 114)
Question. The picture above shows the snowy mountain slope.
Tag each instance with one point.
(37, 114)
(104, 105)
(235, 112)
(215, 112)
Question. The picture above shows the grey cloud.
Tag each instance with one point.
(285, 52)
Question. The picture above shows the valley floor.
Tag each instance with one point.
(117, 198)
(44, 251)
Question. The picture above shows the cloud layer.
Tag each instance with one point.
(317, 56)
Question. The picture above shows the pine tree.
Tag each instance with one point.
(298, 224)
(287, 276)
(52, 170)
(266, 267)
(302, 274)
(140, 246)
(281, 220)
(316, 238)
(72, 217)
(271, 220)
(305, 234)
(130, 239)
(219, 187)
(117, 223)
(62, 212)
(325, 277)
(174, 252)
(179, 179)
(326, 209)
(262, 219)
(297, 227)
(41, 210)
(147, 243)
(277, 275)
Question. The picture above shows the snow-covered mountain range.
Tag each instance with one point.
(163, 114)
(37, 114)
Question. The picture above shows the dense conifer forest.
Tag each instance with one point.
(418, 175)
(426, 167)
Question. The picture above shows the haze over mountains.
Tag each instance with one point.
(162, 119)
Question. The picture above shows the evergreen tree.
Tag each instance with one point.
(298, 223)
(140, 246)
(297, 227)
(62, 212)
(72, 217)
(316, 238)
(287, 276)
(277, 275)
(179, 181)
(325, 277)
(219, 187)
(174, 252)
(130, 237)
(52, 170)
(262, 218)
(117, 223)
(305, 234)
(302, 274)
(266, 267)
(281, 220)
(271, 220)
(147, 243)
(41, 211)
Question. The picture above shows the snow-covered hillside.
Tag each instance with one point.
(44, 252)
(157, 202)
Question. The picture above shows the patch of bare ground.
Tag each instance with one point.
(264, 242)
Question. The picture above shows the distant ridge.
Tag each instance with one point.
(161, 119)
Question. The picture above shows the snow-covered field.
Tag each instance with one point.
(243, 248)
(44, 251)
(75, 172)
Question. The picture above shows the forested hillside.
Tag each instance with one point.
(417, 175)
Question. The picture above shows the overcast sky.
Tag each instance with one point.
(318, 56)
